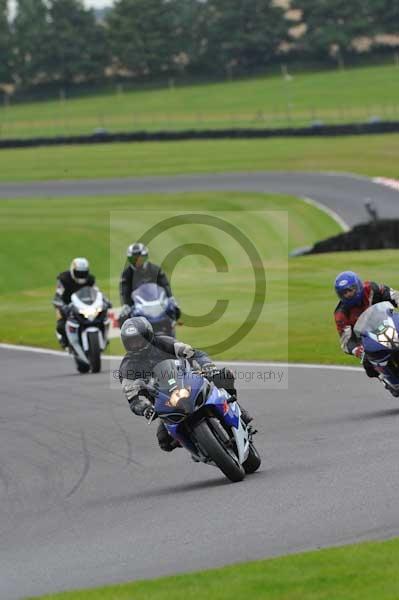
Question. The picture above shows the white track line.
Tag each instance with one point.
(58, 353)
(331, 213)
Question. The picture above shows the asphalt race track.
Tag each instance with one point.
(86, 497)
(344, 194)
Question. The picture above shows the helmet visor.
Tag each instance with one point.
(80, 274)
(137, 343)
(349, 292)
(137, 260)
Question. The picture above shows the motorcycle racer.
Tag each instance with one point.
(138, 271)
(144, 351)
(69, 282)
(355, 296)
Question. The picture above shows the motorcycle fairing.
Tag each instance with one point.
(150, 301)
(72, 331)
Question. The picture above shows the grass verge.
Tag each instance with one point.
(354, 94)
(296, 321)
(367, 155)
(53, 231)
(368, 571)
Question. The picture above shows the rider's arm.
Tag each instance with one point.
(125, 286)
(384, 293)
(58, 300)
(203, 359)
(394, 296)
(349, 342)
(174, 347)
(135, 393)
(163, 281)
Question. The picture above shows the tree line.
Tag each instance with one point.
(49, 41)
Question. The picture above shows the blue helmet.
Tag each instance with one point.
(347, 282)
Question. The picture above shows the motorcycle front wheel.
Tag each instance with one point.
(253, 461)
(94, 352)
(210, 438)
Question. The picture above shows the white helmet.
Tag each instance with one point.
(80, 270)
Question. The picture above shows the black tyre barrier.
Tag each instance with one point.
(317, 130)
(376, 235)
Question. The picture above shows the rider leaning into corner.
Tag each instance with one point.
(144, 351)
(140, 270)
(355, 296)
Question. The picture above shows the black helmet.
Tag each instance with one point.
(137, 254)
(137, 334)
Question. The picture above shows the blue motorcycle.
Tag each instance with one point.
(150, 301)
(203, 419)
(378, 330)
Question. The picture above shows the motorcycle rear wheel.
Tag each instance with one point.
(214, 448)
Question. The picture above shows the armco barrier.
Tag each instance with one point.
(376, 235)
(207, 134)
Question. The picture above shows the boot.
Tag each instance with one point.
(62, 340)
(166, 442)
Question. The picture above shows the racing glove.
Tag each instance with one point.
(394, 296)
(173, 310)
(124, 314)
(183, 350)
(139, 404)
(64, 310)
(358, 352)
(208, 369)
(142, 407)
(132, 388)
(125, 311)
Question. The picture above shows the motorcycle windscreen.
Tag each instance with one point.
(375, 319)
(87, 294)
(150, 299)
(177, 387)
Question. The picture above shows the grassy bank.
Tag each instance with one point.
(368, 571)
(367, 155)
(299, 296)
(53, 231)
(354, 94)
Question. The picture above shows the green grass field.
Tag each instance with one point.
(41, 248)
(368, 571)
(367, 155)
(355, 94)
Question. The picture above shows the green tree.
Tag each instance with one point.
(5, 44)
(243, 34)
(76, 42)
(30, 33)
(385, 14)
(334, 24)
(144, 35)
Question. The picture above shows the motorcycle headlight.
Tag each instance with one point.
(89, 313)
(389, 337)
(178, 396)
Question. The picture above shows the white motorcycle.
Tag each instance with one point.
(87, 328)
